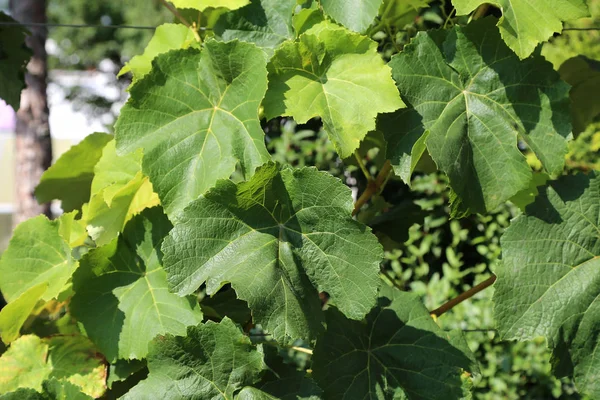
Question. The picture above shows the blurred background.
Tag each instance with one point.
(426, 251)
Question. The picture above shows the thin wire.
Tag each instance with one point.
(52, 25)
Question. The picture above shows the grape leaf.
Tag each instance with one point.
(36, 254)
(266, 23)
(166, 37)
(202, 4)
(279, 239)
(281, 382)
(399, 350)
(63, 390)
(212, 362)
(549, 280)
(196, 116)
(14, 314)
(70, 178)
(14, 56)
(119, 191)
(23, 394)
(398, 13)
(406, 140)
(72, 358)
(583, 75)
(121, 294)
(332, 73)
(526, 23)
(226, 304)
(476, 97)
(356, 15)
(24, 365)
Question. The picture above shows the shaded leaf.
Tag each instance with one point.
(399, 351)
(14, 56)
(266, 23)
(121, 294)
(69, 179)
(549, 280)
(212, 362)
(527, 23)
(63, 390)
(279, 239)
(476, 97)
(332, 73)
(226, 304)
(583, 75)
(195, 133)
(406, 140)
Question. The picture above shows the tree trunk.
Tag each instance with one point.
(33, 145)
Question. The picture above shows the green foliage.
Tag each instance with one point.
(265, 278)
(14, 55)
(525, 23)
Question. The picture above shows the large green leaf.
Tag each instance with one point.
(332, 73)
(356, 15)
(71, 358)
(399, 351)
(121, 294)
(36, 254)
(119, 191)
(476, 98)
(583, 75)
(166, 37)
(196, 116)
(70, 178)
(549, 280)
(279, 239)
(202, 4)
(398, 13)
(14, 55)
(526, 23)
(212, 362)
(266, 23)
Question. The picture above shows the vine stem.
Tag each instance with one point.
(373, 187)
(362, 166)
(391, 279)
(480, 12)
(302, 350)
(178, 15)
(463, 296)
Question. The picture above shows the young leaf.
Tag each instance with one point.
(356, 15)
(212, 362)
(476, 97)
(166, 37)
(196, 116)
(203, 4)
(36, 254)
(549, 278)
(121, 294)
(266, 23)
(583, 75)
(70, 178)
(13, 59)
(71, 358)
(119, 191)
(279, 239)
(399, 352)
(14, 314)
(526, 23)
(332, 73)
